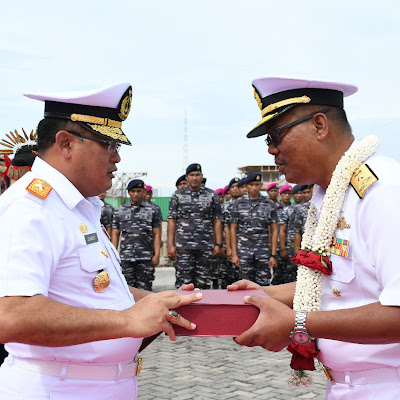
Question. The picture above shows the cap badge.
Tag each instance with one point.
(39, 188)
(139, 185)
(101, 281)
(125, 106)
(198, 166)
(83, 228)
(258, 177)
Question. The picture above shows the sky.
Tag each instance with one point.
(200, 57)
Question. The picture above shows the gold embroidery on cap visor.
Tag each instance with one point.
(95, 120)
(111, 132)
(265, 119)
(283, 103)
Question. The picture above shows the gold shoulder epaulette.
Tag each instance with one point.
(39, 188)
(362, 179)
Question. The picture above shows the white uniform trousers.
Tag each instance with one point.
(373, 391)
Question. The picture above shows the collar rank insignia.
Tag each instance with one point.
(362, 179)
(342, 224)
(39, 188)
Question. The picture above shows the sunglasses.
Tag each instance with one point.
(113, 146)
(274, 137)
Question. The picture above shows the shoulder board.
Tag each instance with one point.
(362, 179)
(39, 188)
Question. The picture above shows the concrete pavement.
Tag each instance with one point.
(216, 368)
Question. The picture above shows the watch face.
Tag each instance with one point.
(301, 338)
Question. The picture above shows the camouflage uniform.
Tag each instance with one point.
(280, 269)
(287, 219)
(194, 212)
(301, 217)
(253, 217)
(136, 224)
(107, 212)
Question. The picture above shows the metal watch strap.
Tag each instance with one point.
(300, 321)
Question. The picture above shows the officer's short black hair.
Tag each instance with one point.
(47, 130)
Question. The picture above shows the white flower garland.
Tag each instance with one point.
(318, 234)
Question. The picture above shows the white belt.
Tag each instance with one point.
(378, 375)
(87, 371)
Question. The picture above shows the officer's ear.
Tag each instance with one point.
(63, 143)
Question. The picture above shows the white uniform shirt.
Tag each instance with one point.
(371, 272)
(44, 252)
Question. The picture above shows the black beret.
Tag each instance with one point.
(298, 188)
(232, 181)
(253, 177)
(180, 179)
(242, 182)
(193, 168)
(135, 184)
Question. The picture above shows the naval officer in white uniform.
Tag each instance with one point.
(72, 326)
(357, 326)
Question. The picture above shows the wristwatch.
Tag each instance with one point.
(274, 255)
(299, 334)
(219, 245)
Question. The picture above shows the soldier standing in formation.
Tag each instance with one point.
(139, 224)
(194, 230)
(252, 217)
(279, 271)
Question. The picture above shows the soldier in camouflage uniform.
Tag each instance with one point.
(139, 226)
(148, 195)
(194, 231)
(286, 233)
(107, 212)
(252, 217)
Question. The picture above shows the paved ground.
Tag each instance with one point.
(215, 368)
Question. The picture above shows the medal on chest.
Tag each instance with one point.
(101, 281)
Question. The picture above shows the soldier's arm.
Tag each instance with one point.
(282, 239)
(115, 233)
(297, 242)
(217, 226)
(156, 245)
(274, 237)
(228, 241)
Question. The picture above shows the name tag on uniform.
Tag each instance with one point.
(340, 247)
(185, 198)
(91, 238)
(205, 200)
(145, 214)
